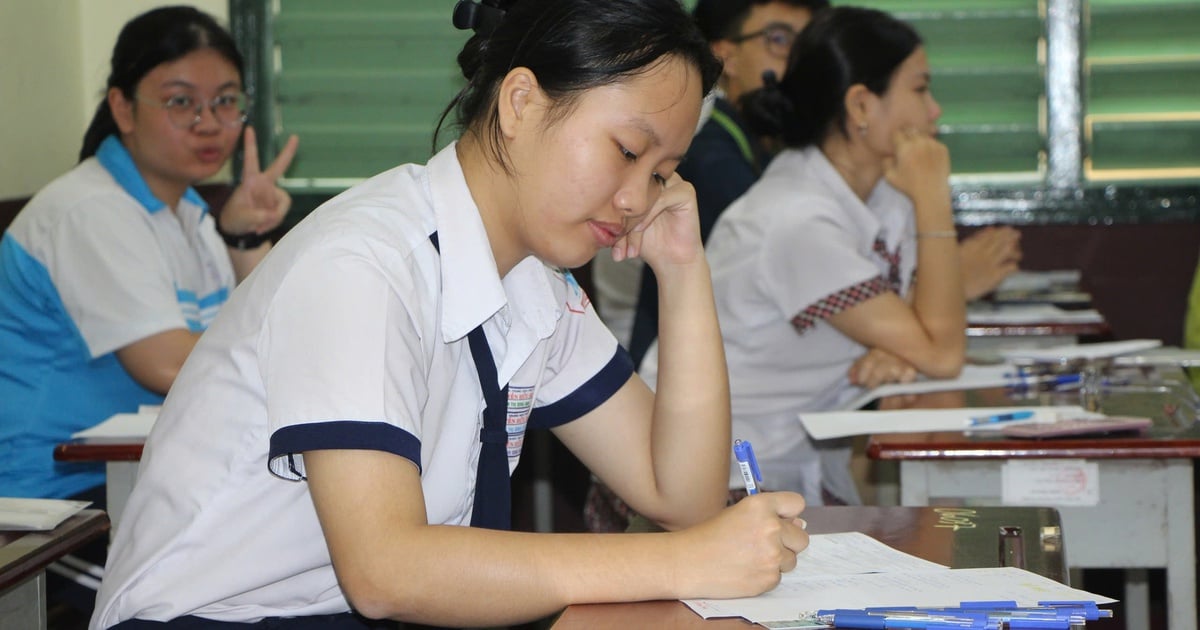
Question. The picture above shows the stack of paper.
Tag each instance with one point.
(1083, 351)
(971, 377)
(1016, 314)
(1184, 357)
(836, 424)
(853, 570)
(36, 514)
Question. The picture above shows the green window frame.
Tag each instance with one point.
(1054, 110)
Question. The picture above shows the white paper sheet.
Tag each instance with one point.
(799, 597)
(853, 552)
(1040, 280)
(1031, 314)
(834, 424)
(36, 514)
(1083, 351)
(123, 425)
(971, 377)
(1161, 356)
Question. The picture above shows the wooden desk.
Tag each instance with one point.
(121, 459)
(24, 557)
(1144, 518)
(957, 537)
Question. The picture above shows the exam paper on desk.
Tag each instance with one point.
(799, 595)
(834, 424)
(36, 514)
(1016, 314)
(1102, 350)
(971, 377)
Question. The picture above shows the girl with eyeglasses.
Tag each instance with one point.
(111, 272)
(338, 448)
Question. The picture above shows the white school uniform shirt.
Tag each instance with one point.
(798, 247)
(351, 334)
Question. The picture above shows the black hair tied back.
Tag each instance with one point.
(767, 109)
(482, 17)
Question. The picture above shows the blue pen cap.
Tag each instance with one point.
(744, 452)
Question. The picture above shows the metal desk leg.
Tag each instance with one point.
(119, 478)
(1181, 545)
(914, 482)
(23, 607)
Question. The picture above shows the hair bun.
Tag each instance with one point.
(481, 17)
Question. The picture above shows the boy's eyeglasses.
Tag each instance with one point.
(777, 37)
(185, 112)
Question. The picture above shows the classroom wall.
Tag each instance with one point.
(56, 61)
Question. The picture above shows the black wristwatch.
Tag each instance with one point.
(242, 242)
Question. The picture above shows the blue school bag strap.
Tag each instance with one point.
(493, 488)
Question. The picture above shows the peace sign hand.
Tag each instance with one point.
(257, 205)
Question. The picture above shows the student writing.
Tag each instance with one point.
(364, 395)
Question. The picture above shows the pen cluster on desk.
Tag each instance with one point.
(1025, 379)
(1001, 615)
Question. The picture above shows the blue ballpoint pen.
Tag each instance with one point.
(1051, 380)
(1002, 417)
(862, 621)
(744, 453)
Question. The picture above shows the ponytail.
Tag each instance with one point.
(103, 125)
(841, 47)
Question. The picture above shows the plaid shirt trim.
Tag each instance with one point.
(839, 301)
(893, 261)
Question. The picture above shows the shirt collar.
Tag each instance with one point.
(115, 159)
(472, 290)
(882, 216)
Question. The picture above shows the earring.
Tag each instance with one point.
(862, 130)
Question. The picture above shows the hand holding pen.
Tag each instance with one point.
(745, 550)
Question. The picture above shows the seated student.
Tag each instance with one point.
(363, 397)
(111, 272)
(751, 37)
(813, 269)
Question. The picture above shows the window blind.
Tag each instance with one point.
(1142, 76)
(987, 60)
(361, 82)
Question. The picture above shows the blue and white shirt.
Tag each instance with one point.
(351, 334)
(93, 263)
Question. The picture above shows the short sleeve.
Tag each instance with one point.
(810, 258)
(112, 276)
(585, 365)
(341, 361)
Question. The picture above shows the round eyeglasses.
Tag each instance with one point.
(184, 111)
(777, 37)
